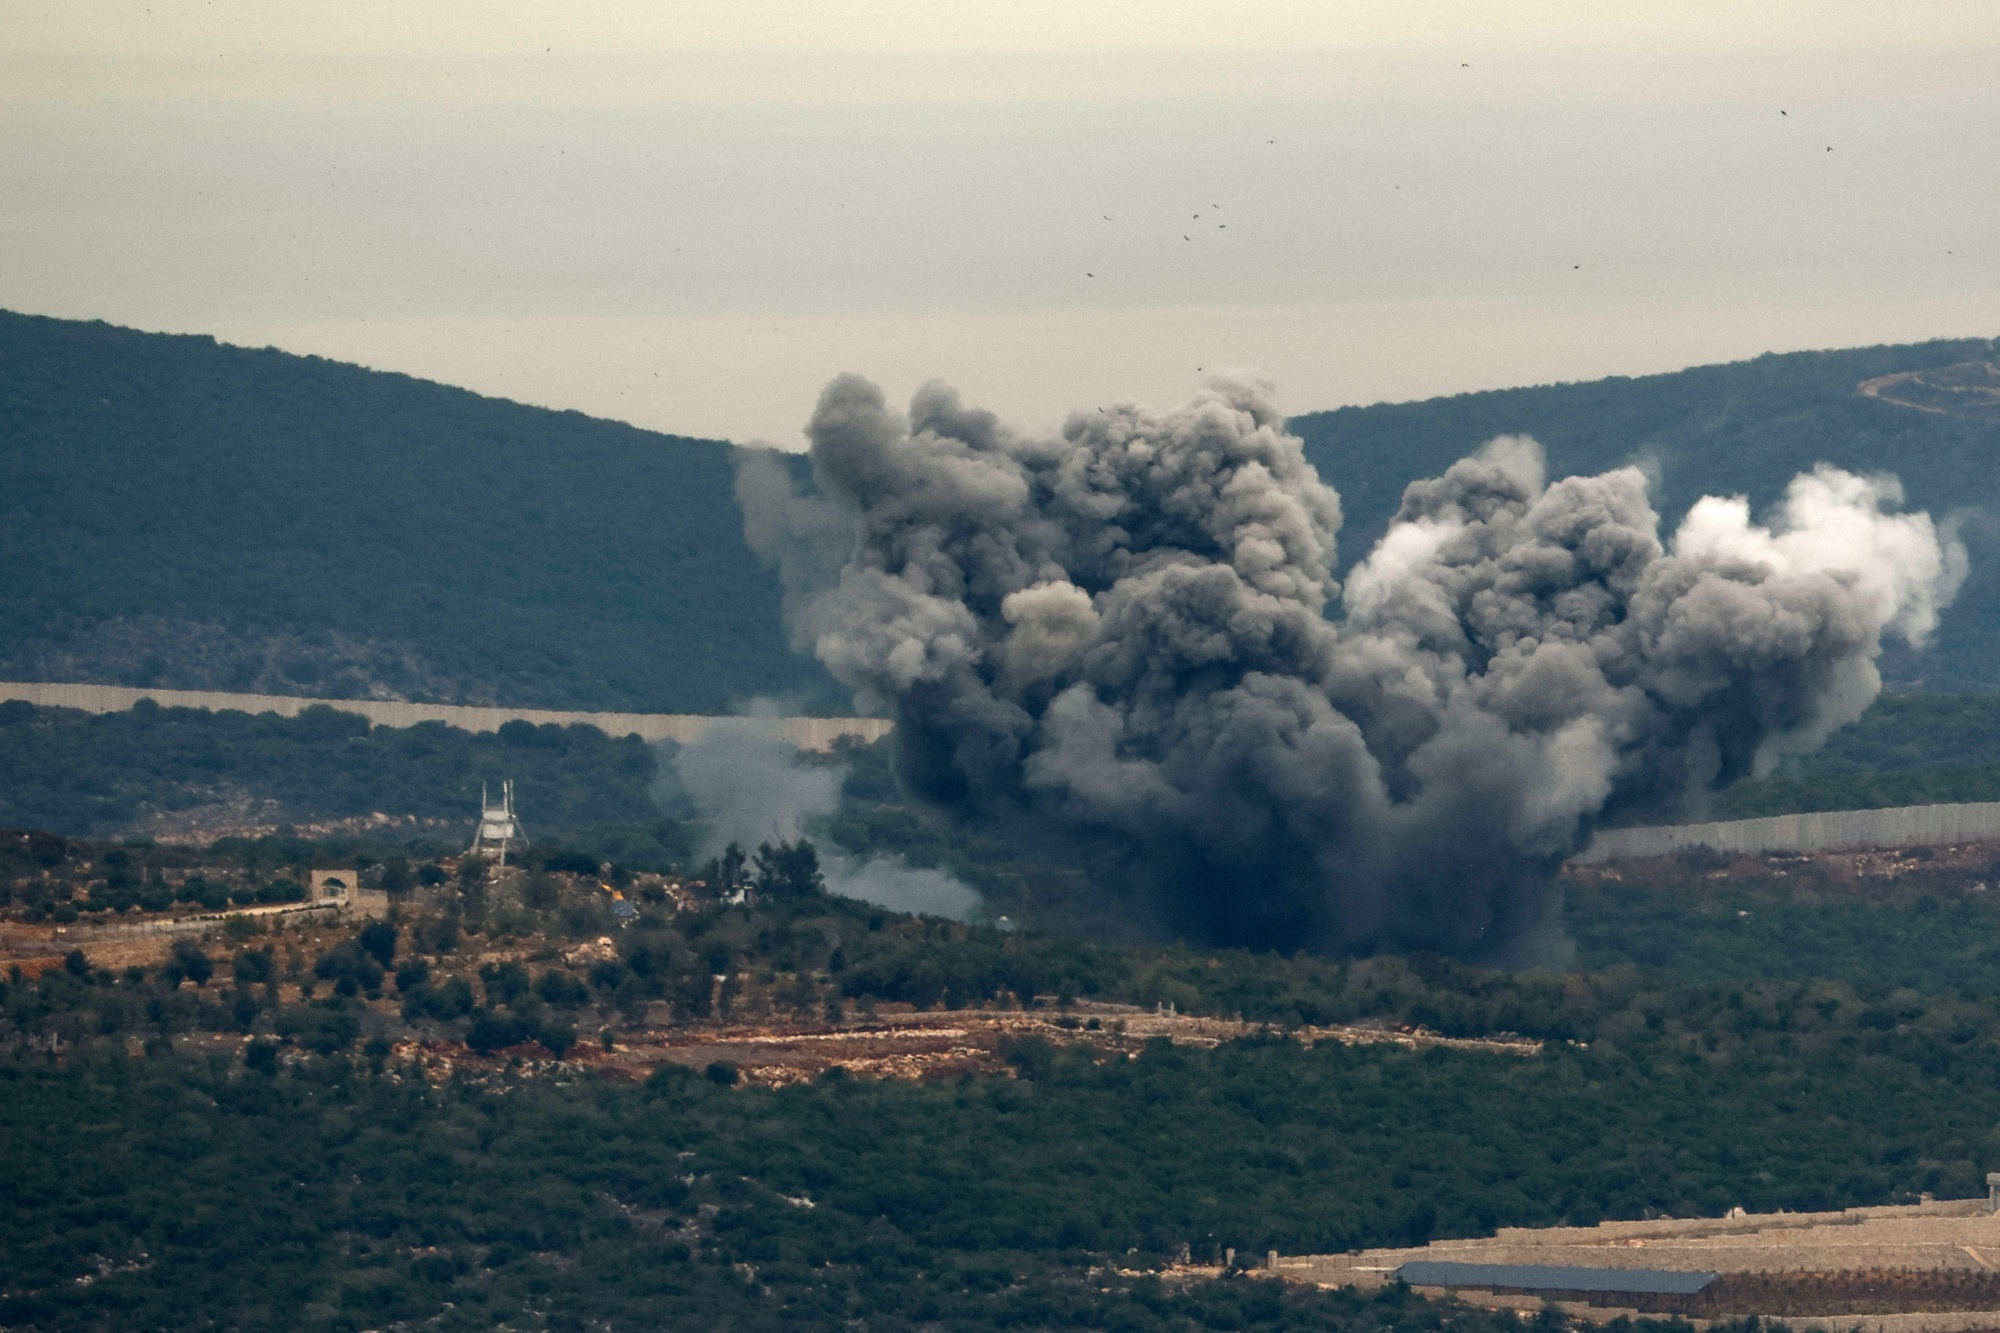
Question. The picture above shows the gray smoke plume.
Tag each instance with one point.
(746, 785)
(1126, 631)
(749, 787)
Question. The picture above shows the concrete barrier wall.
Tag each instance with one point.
(1823, 831)
(19, 940)
(806, 733)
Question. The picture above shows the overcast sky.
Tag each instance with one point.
(689, 216)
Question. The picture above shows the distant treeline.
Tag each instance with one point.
(84, 774)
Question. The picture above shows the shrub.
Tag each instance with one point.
(562, 988)
(346, 962)
(494, 1030)
(378, 939)
(282, 891)
(442, 1003)
(252, 966)
(188, 962)
(322, 1029)
(558, 1037)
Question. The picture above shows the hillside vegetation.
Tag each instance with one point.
(1912, 749)
(176, 773)
(220, 1133)
(151, 770)
(176, 512)
(180, 513)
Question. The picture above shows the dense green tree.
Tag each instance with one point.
(378, 940)
(787, 870)
(188, 961)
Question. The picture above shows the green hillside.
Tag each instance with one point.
(175, 512)
(1913, 749)
(1743, 428)
(179, 513)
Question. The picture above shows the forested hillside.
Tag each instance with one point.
(175, 512)
(178, 772)
(215, 1130)
(1913, 749)
(1743, 428)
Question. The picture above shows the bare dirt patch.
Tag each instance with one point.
(1967, 388)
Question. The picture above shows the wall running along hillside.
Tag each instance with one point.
(1820, 831)
(805, 733)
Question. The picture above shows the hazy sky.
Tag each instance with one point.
(690, 215)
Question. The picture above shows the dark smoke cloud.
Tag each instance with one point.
(1131, 632)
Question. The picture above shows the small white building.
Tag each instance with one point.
(332, 886)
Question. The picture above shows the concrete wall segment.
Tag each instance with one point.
(1820, 831)
(806, 733)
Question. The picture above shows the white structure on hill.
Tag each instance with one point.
(499, 828)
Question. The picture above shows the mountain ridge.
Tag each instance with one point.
(176, 512)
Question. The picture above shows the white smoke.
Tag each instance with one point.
(1122, 632)
(748, 786)
(887, 882)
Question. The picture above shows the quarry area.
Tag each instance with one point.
(1930, 1267)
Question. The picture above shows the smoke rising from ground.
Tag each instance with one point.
(746, 786)
(749, 787)
(1132, 631)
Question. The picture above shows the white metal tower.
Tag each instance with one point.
(499, 828)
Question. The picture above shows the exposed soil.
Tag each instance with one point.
(1937, 1257)
(1966, 388)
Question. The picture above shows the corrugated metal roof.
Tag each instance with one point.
(1538, 1277)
